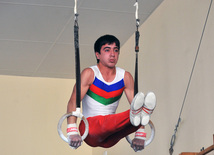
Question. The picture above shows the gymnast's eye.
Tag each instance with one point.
(116, 50)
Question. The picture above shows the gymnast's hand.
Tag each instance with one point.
(139, 140)
(137, 144)
(74, 139)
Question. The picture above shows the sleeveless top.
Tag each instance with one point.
(102, 98)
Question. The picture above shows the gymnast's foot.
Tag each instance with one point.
(136, 109)
(148, 107)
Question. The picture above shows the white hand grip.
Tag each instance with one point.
(59, 126)
(147, 142)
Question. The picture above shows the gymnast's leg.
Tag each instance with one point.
(106, 131)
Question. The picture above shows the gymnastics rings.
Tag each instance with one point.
(147, 142)
(77, 114)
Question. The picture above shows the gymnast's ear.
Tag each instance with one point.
(97, 54)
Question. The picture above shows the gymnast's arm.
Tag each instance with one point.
(129, 86)
(137, 144)
(87, 77)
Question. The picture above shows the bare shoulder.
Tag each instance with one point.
(128, 79)
(88, 71)
(128, 76)
(87, 76)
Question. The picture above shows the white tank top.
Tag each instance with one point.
(103, 97)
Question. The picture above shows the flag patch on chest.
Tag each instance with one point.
(106, 94)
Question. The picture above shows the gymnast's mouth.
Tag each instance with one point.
(112, 60)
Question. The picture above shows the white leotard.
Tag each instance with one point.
(103, 97)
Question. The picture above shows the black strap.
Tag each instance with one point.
(137, 36)
(77, 62)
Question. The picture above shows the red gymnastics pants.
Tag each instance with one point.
(106, 131)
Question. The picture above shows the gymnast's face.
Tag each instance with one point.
(108, 56)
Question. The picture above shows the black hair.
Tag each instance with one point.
(106, 39)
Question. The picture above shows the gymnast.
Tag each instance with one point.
(102, 86)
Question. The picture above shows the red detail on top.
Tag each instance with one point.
(105, 94)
